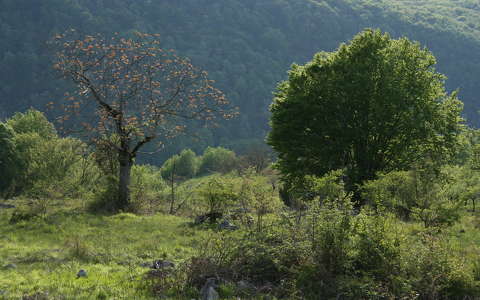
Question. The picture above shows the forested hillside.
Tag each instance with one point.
(246, 46)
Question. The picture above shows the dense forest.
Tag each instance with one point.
(246, 46)
(297, 149)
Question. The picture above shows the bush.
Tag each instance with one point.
(419, 193)
(182, 166)
(20, 215)
(218, 194)
(217, 160)
(436, 272)
(104, 198)
(145, 188)
(258, 195)
(10, 163)
(32, 121)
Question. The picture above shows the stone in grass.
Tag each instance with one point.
(161, 264)
(3, 205)
(246, 287)
(226, 225)
(81, 273)
(10, 267)
(208, 291)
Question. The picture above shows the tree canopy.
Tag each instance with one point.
(135, 90)
(375, 104)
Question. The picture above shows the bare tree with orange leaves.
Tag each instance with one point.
(139, 91)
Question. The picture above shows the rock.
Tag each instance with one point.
(161, 264)
(208, 291)
(36, 296)
(211, 217)
(81, 273)
(246, 288)
(226, 225)
(200, 219)
(3, 205)
(10, 267)
(210, 294)
(241, 210)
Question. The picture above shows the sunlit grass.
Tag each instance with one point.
(49, 252)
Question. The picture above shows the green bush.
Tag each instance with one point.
(217, 160)
(182, 166)
(146, 188)
(105, 196)
(218, 194)
(9, 160)
(436, 271)
(420, 193)
(32, 121)
(258, 195)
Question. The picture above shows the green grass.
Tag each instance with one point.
(49, 252)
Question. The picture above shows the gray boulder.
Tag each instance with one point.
(81, 273)
(208, 291)
(3, 205)
(161, 264)
(226, 225)
(10, 267)
(246, 288)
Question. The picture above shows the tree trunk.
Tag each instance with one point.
(172, 186)
(126, 162)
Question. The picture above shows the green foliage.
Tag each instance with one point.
(184, 165)
(42, 165)
(258, 195)
(106, 159)
(375, 104)
(394, 191)
(435, 272)
(218, 194)
(32, 121)
(9, 159)
(217, 160)
(434, 199)
(325, 189)
(146, 188)
(104, 197)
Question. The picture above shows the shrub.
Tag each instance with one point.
(105, 196)
(419, 193)
(182, 166)
(32, 121)
(146, 187)
(218, 193)
(258, 195)
(435, 272)
(217, 160)
(10, 163)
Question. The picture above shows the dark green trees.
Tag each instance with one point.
(8, 158)
(376, 104)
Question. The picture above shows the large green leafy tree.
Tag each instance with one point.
(8, 158)
(375, 104)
